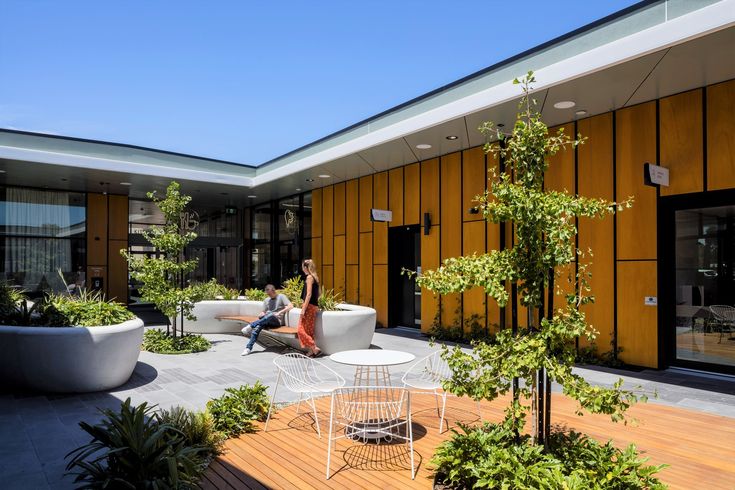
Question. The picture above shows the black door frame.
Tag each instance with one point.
(392, 296)
(667, 207)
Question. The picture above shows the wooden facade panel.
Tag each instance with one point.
(352, 283)
(429, 261)
(430, 190)
(395, 201)
(339, 209)
(316, 253)
(366, 203)
(365, 288)
(560, 174)
(328, 225)
(351, 221)
(451, 228)
(473, 301)
(721, 136)
(380, 230)
(339, 264)
(97, 229)
(119, 217)
(316, 213)
(635, 144)
(637, 323)
(682, 142)
(327, 276)
(412, 192)
(380, 291)
(117, 268)
(474, 178)
(595, 179)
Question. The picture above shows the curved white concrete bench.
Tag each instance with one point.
(207, 311)
(70, 359)
(335, 331)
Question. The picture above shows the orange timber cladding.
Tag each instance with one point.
(352, 251)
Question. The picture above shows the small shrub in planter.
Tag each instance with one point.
(491, 456)
(255, 294)
(197, 428)
(212, 290)
(160, 342)
(133, 449)
(235, 411)
(292, 289)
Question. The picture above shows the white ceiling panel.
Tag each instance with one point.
(501, 114)
(703, 61)
(389, 155)
(437, 138)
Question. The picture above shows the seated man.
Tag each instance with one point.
(274, 312)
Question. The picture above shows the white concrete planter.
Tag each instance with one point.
(336, 331)
(70, 359)
(206, 311)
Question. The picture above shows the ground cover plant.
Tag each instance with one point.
(234, 412)
(160, 342)
(525, 359)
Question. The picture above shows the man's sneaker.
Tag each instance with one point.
(245, 352)
(246, 330)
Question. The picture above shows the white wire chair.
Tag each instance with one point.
(725, 317)
(371, 413)
(427, 375)
(304, 375)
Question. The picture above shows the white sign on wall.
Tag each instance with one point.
(381, 215)
(656, 175)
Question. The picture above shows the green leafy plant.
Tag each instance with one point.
(14, 309)
(196, 427)
(88, 309)
(132, 449)
(492, 456)
(255, 294)
(235, 411)
(292, 290)
(329, 300)
(544, 224)
(212, 290)
(162, 275)
(160, 342)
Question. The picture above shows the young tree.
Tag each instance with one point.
(544, 224)
(163, 277)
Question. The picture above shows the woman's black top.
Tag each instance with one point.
(314, 300)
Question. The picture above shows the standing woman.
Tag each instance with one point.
(310, 296)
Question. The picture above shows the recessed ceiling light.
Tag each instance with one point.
(310, 180)
(581, 112)
(298, 189)
(125, 183)
(251, 196)
(452, 137)
(324, 176)
(423, 146)
(565, 104)
(2, 171)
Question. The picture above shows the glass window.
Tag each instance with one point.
(306, 211)
(42, 238)
(260, 265)
(705, 285)
(261, 227)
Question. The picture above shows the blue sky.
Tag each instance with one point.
(248, 81)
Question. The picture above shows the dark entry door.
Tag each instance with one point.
(404, 298)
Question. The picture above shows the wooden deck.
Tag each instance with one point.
(699, 448)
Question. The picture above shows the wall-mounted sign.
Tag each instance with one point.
(381, 215)
(650, 301)
(655, 175)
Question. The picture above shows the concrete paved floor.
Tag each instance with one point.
(37, 431)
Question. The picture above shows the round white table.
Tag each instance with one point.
(371, 365)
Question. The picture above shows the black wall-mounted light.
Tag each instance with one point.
(474, 210)
(427, 223)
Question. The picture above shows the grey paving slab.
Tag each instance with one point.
(37, 430)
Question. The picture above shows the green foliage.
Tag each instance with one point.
(590, 355)
(329, 300)
(196, 427)
(292, 289)
(492, 456)
(235, 411)
(162, 276)
(160, 342)
(255, 294)
(212, 290)
(462, 329)
(89, 309)
(14, 309)
(132, 449)
(544, 222)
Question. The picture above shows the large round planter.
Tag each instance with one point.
(207, 311)
(351, 327)
(70, 359)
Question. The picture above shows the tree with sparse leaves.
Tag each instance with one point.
(163, 276)
(525, 360)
